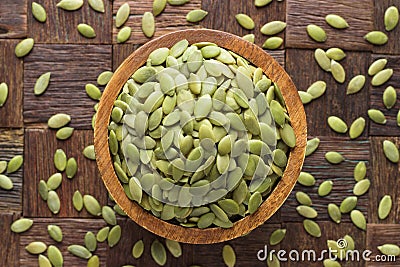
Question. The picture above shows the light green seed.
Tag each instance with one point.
(97, 5)
(288, 135)
(390, 249)
(55, 256)
(391, 151)
(254, 202)
(306, 179)
(3, 166)
(376, 38)
(336, 21)
(58, 120)
(206, 220)
(316, 33)
(312, 146)
(114, 236)
(92, 205)
(60, 160)
(307, 212)
(38, 12)
(277, 236)
(71, 168)
(391, 18)
(24, 47)
(303, 198)
(361, 187)
(305, 97)
(356, 84)
(377, 66)
(360, 171)
(21, 225)
(229, 206)
(159, 6)
(77, 200)
(273, 261)
(174, 248)
(79, 251)
(70, 5)
(93, 91)
(335, 53)
(357, 128)
(248, 37)
(245, 21)
(273, 27)
(138, 249)
(94, 261)
(159, 56)
(102, 234)
(53, 202)
(317, 89)
(36, 247)
(338, 71)
(377, 116)
(389, 97)
(272, 43)
(334, 157)
(348, 204)
(88, 152)
(358, 219)
(382, 77)
(312, 228)
(122, 15)
(3, 93)
(55, 232)
(43, 190)
(325, 188)
(86, 30)
(54, 181)
(322, 59)
(109, 215)
(196, 15)
(124, 34)
(15, 164)
(64, 133)
(90, 241)
(334, 213)
(148, 24)
(261, 3)
(337, 124)
(104, 77)
(158, 253)
(229, 256)
(177, 2)
(385, 206)
(43, 261)
(42, 83)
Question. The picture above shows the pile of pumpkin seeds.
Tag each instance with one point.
(193, 135)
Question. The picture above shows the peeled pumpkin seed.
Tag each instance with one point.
(334, 157)
(159, 6)
(303, 198)
(254, 202)
(273, 27)
(338, 72)
(88, 152)
(122, 15)
(249, 37)
(53, 202)
(97, 5)
(317, 89)
(277, 236)
(245, 21)
(55, 232)
(148, 24)
(86, 30)
(77, 200)
(337, 124)
(91, 205)
(54, 181)
(334, 213)
(376, 38)
(288, 135)
(42, 83)
(43, 190)
(3, 93)
(137, 249)
(38, 12)
(79, 251)
(360, 171)
(70, 5)
(325, 188)
(306, 179)
(21, 225)
(390, 249)
(389, 97)
(358, 219)
(357, 128)
(158, 253)
(196, 15)
(174, 248)
(382, 77)
(385, 206)
(356, 84)
(305, 97)
(316, 33)
(322, 59)
(336, 21)
(361, 187)
(114, 236)
(335, 53)
(60, 160)
(43, 261)
(36, 247)
(55, 256)
(391, 18)
(307, 212)
(93, 91)
(229, 256)
(312, 228)
(71, 168)
(377, 116)
(377, 66)
(109, 215)
(24, 47)
(312, 146)
(102, 234)
(348, 204)
(58, 120)
(104, 77)
(15, 164)
(90, 241)
(261, 3)
(124, 34)
(94, 261)
(64, 133)
(177, 2)
(391, 151)
(272, 43)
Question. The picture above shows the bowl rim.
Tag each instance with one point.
(282, 190)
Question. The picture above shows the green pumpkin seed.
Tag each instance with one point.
(3, 166)
(391, 18)
(122, 15)
(64, 133)
(312, 146)
(261, 3)
(90, 241)
(43, 261)
(38, 12)
(358, 219)
(136, 189)
(335, 53)
(148, 24)
(334, 213)
(305, 97)
(173, 247)
(385, 206)
(53, 202)
(91, 205)
(60, 160)
(325, 188)
(159, 6)
(86, 30)
(390, 249)
(337, 124)
(273, 261)
(77, 200)
(5, 182)
(229, 206)
(114, 236)
(109, 215)
(391, 151)
(248, 37)
(382, 77)
(288, 135)
(307, 212)
(137, 249)
(303, 198)
(21, 225)
(55, 232)
(55, 256)
(389, 97)
(356, 84)
(277, 236)
(334, 157)
(54, 181)
(273, 27)
(196, 15)
(322, 59)
(272, 43)
(357, 128)
(206, 220)
(94, 261)
(179, 48)
(377, 116)
(104, 77)
(376, 38)
(331, 263)
(97, 5)
(3, 93)
(15, 164)
(245, 21)
(102, 234)
(229, 256)
(43, 190)
(93, 91)
(70, 5)
(312, 228)
(158, 253)
(361, 187)
(71, 168)
(348, 204)
(79, 251)
(124, 34)
(177, 2)
(88, 152)
(377, 66)
(317, 89)
(336, 21)
(360, 171)
(316, 33)
(338, 72)
(42, 83)
(58, 120)
(24, 47)
(254, 202)
(306, 179)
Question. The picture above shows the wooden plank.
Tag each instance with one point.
(376, 102)
(11, 72)
(11, 144)
(392, 46)
(13, 18)
(42, 144)
(9, 249)
(298, 240)
(222, 13)
(72, 67)
(385, 181)
(379, 234)
(335, 101)
(61, 25)
(301, 13)
(173, 18)
(341, 175)
(74, 231)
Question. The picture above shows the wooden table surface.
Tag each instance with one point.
(74, 61)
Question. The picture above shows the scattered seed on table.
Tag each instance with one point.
(337, 124)
(91, 205)
(245, 21)
(306, 179)
(173, 247)
(36, 247)
(55, 256)
(249, 37)
(137, 249)
(3, 93)
(122, 15)
(97, 5)
(273, 27)
(376, 38)
(312, 228)
(303, 198)
(159, 6)
(88, 152)
(53, 202)
(338, 71)
(391, 18)
(360, 171)
(334, 213)
(60, 160)
(336, 21)
(21, 225)
(389, 249)
(272, 43)
(104, 77)
(361, 187)
(316, 33)
(277, 236)
(357, 128)
(385, 206)
(229, 256)
(38, 12)
(382, 77)
(377, 116)
(391, 151)
(55, 232)
(90, 241)
(70, 5)
(77, 200)
(356, 84)
(322, 59)
(54, 181)
(158, 253)
(389, 97)
(72, 168)
(24, 47)
(348, 204)
(358, 218)
(317, 89)
(79, 251)
(196, 15)
(148, 24)
(261, 3)
(325, 188)
(124, 34)
(335, 53)
(58, 120)
(15, 164)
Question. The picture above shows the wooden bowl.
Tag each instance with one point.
(282, 190)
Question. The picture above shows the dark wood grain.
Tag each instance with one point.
(341, 175)
(376, 102)
(222, 16)
(301, 13)
(74, 231)
(72, 67)
(380, 234)
(13, 15)
(9, 248)
(61, 25)
(172, 19)
(304, 70)
(386, 177)
(11, 72)
(40, 146)
(121, 52)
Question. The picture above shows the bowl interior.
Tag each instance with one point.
(256, 56)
